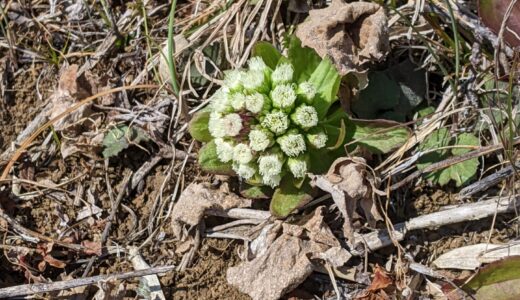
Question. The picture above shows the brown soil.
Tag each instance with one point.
(26, 101)
(207, 278)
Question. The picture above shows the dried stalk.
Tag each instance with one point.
(36, 288)
(463, 213)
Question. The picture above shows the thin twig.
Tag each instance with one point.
(111, 218)
(36, 288)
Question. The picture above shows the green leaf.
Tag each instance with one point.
(321, 159)
(437, 139)
(326, 79)
(198, 126)
(392, 94)
(498, 280)
(121, 137)
(210, 163)
(382, 94)
(268, 53)
(287, 198)
(462, 172)
(304, 59)
(378, 136)
(255, 191)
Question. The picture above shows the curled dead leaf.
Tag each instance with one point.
(351, 34)
(381, 286)
(350, 186)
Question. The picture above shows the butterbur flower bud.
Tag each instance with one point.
(305, 116)
(270, 165)
(242, 154)
(297, 166)
(232, 124)
(257, 64)
(260, 139)
(245, 171)
(292, 143)
(224, 150)
(317, 138)
(215, 125)
(306, 91)
(255, 81)
(256, 103)
(220, 101)
(233, 79)
(283, 96)
(238, 101)
(282, 74)
(276, 121)
(272, 181)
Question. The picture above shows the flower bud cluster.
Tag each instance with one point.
(264, 123)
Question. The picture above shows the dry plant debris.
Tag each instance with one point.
(351, 186)
(473, 256)
(350, 34)
(284, 262)
(196, 200)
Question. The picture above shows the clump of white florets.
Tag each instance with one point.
(264, 123)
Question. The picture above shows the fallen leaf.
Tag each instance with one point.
(54, 262)
(92, 248)
(473, 256)
(377, 290)
(180, 43)
(350, 185)
(198, 198)
(71, 88)
(282, 257)
(351, 34)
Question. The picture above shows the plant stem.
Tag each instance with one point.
(171, 52)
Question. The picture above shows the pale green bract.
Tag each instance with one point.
(318, 139)
(263, 123)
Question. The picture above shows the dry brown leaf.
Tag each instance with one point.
(381, 283)
(54, 262)
(286, 262)
(350, 34)
(71, 88)
(92, 248)
(350, 185)
(198, 198)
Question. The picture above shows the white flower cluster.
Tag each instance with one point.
(264, 123)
